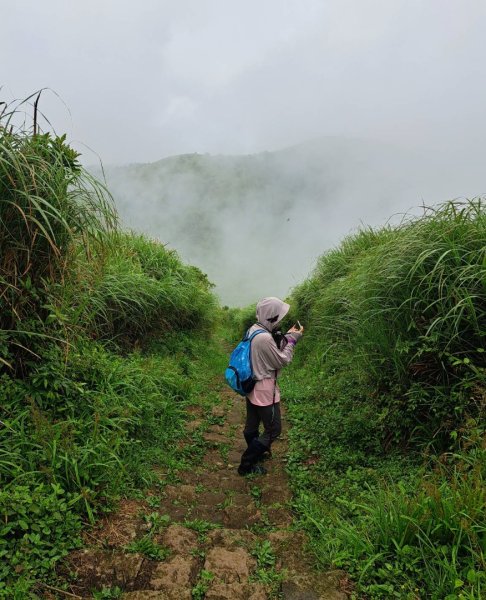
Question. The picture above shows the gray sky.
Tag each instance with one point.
(148, 79)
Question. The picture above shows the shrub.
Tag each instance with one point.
(140, 290)
(38, 527)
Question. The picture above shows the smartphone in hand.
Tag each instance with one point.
(297, 327)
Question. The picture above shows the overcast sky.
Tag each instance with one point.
(143, 80)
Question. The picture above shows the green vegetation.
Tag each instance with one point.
(146, 545)
(104, 340)
(204, 580)
(108, 593)
(149, 548)
(266, 569)
(387, 401)
(201, 527)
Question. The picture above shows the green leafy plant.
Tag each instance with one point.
(157, 521)
(200, 525)
(266, 571)
(228, 499)
(108, 593)
(256, 494)
(224, 451)
(153, 501)
(149, 548)
(38, 528)
(204, 580)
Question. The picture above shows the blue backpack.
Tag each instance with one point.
(239, 374)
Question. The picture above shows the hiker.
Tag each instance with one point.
(270, 351)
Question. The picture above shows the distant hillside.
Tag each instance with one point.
(256, 223)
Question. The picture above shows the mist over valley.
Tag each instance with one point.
(257, 223)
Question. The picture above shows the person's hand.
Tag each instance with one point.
(295, 329)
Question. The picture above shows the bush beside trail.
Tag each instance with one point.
(100, 332)
(387, 400)
(144, 291)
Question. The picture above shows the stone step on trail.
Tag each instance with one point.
(214, 521)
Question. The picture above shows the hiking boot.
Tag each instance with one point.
(267, 455)
(251, 456)
(253, 470)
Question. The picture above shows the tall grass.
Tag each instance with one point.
(387, 392)
(424, 540)
(93, 383)
(47, 204)
(143, 290)
(409, 304)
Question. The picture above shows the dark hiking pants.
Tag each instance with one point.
(269, 416)
(259, 444)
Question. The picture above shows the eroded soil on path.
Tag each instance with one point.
(212, 534)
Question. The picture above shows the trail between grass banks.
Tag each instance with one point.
(213, 534)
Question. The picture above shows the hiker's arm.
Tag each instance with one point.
(275, 358)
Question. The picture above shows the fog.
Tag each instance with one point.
(310, 117)
(256, 223)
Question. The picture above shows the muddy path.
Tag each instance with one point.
(210, 533)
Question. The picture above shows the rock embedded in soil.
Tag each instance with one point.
(211, 499)
(234, 456)
(178, 539)
(279, 517)
(96, 568)
(175, 577)
(236, 591)
(218, 411)
(215, 438)
(276, 493)
(182, 493)
(291, 591)
(313, 586)
(229, 566)
(232, 538)
(239, 517)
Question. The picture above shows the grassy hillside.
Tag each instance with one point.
(104, 340)
(387, 401)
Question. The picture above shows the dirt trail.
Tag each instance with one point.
(219, 536)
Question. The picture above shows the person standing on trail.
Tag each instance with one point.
(270, 351)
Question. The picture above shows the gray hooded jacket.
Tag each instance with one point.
(267, 359)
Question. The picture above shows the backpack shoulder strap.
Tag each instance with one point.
(249, 338)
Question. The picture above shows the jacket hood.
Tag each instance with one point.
(270, 311)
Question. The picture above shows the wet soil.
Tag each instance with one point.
(202, 535)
